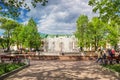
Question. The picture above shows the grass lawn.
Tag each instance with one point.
(114, 67)
(7, 67)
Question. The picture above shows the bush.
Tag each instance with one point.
(7, 67)
(115, 67)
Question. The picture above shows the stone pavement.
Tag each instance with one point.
(63, 70)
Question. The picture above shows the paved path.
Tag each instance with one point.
(62, 70)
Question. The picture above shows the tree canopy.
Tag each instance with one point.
(11, 8)
(108, 9)
(113, 33)
(8, 26)
(26, 36)
(109, 13)
(29, 36)
(96, 32)
(82, 23)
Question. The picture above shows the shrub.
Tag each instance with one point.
(7, 67)
(115, 67)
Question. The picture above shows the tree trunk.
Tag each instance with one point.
(2, 45)
(8, 41)
(115, 46)
(30, 46)
(8, 45)
(95, 43)
(18, 45)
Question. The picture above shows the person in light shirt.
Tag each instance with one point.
(100, 57)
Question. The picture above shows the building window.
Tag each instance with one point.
(53, 46)
(71, 45)
(46, 46)
(61, 45)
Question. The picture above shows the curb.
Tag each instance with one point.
(2, 77)
(110, 70)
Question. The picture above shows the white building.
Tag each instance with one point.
(60, 44)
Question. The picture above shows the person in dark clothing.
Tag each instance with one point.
(118, 57)
(104, 56)
(109, 52)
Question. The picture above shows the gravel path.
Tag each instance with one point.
(63, 70)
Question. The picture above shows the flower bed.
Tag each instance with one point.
(113, 67)
(7, 67)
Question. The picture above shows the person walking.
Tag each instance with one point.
(113, 52)
(99, 55)
(104, 57)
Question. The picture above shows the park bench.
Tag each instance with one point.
(113, 60)
(9, 58)
(69, 53)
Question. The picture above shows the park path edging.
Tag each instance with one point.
(109, 70)
(2, 77)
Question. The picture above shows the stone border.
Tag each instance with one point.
(2, 77)
(63, 57)
(109, 70)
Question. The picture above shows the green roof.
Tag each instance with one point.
(43, 35)
(53, 35)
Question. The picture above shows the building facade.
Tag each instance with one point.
(60, 44)
(66, 43)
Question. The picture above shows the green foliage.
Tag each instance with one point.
(90, 32)
(3, 43)
(8, 26)
(12, 7)
(16, 35)
(96, 32)
(33, 38)
(5, 67)
(109, 12)
(28, 35)
(108, 9)
(113, 33)
(115, 67)
(82, 23)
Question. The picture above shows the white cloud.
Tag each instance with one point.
(59, 16)
(25, 22)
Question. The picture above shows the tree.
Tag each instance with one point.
(3, 42)
(91, 32)
(16, 35)
(97, 32)
(82, 23)
(8, 26)
(108, 9)
(34, 38)
(113, 33)
(23, 34)
(11, 8)
(30, 36)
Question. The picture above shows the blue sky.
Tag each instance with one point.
(58, 16)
